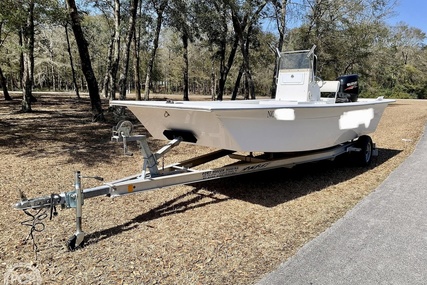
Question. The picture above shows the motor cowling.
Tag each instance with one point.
(349, 88)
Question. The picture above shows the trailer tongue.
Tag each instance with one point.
(153, 177)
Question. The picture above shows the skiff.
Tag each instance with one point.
(307, 113)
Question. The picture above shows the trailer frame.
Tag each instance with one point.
(184, 172)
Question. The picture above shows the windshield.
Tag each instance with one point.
(295, 60)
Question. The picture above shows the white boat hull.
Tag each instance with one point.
(260, 125)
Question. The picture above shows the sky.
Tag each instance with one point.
(411, 12)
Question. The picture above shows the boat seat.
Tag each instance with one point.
(329, 87)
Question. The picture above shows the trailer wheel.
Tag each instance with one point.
(71, 243)
(364, 156)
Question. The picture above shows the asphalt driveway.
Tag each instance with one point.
(383, 240)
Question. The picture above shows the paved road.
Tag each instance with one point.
(383, 240)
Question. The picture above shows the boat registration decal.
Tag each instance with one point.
(284, 114)
(353, 119)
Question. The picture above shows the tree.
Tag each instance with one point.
(70, 55)
(3, 80)
(213, 21)
(280, 11)
(125, 67)
(343, 31)
(244, 18)
(136, 39)
(159, 7)
(19, 18)
(110, 84)
(405, 51)
(27, 15)
(27, 33)
(180, 16)
(98, 114)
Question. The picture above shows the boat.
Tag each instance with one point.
(306, 114)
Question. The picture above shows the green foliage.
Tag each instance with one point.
(351, 37)
(386, 93)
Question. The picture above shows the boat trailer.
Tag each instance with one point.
(153, 177)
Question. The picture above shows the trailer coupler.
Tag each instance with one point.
(72, 199)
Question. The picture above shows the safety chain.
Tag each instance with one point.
(36, 221)
(36, 224)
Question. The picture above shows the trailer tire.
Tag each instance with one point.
(364, 156)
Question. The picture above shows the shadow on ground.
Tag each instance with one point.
(59, 125)
(278, 186)
(268, 188)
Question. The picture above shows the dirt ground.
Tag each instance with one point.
(228, 231)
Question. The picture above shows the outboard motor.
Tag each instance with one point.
(349, 88)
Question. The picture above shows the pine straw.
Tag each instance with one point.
(229, 231)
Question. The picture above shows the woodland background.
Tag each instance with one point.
(217, 48)
(230, 231)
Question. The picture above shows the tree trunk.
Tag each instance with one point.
(28, 60)
(3, 80)
(125, 68)
(244, 44)
(27, 85)
(243, 28)
(106, 83)
(237, 84)
(185, 71)
(280, 11)
(136, 67)
(4, 86)
(116, 47)
(150, 65)
(239, 28)
(73, 72)
(92, 84)
(21, 58)
(249, 82)
(225, 68)
(213, 90)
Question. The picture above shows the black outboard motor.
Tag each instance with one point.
(349, 88)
